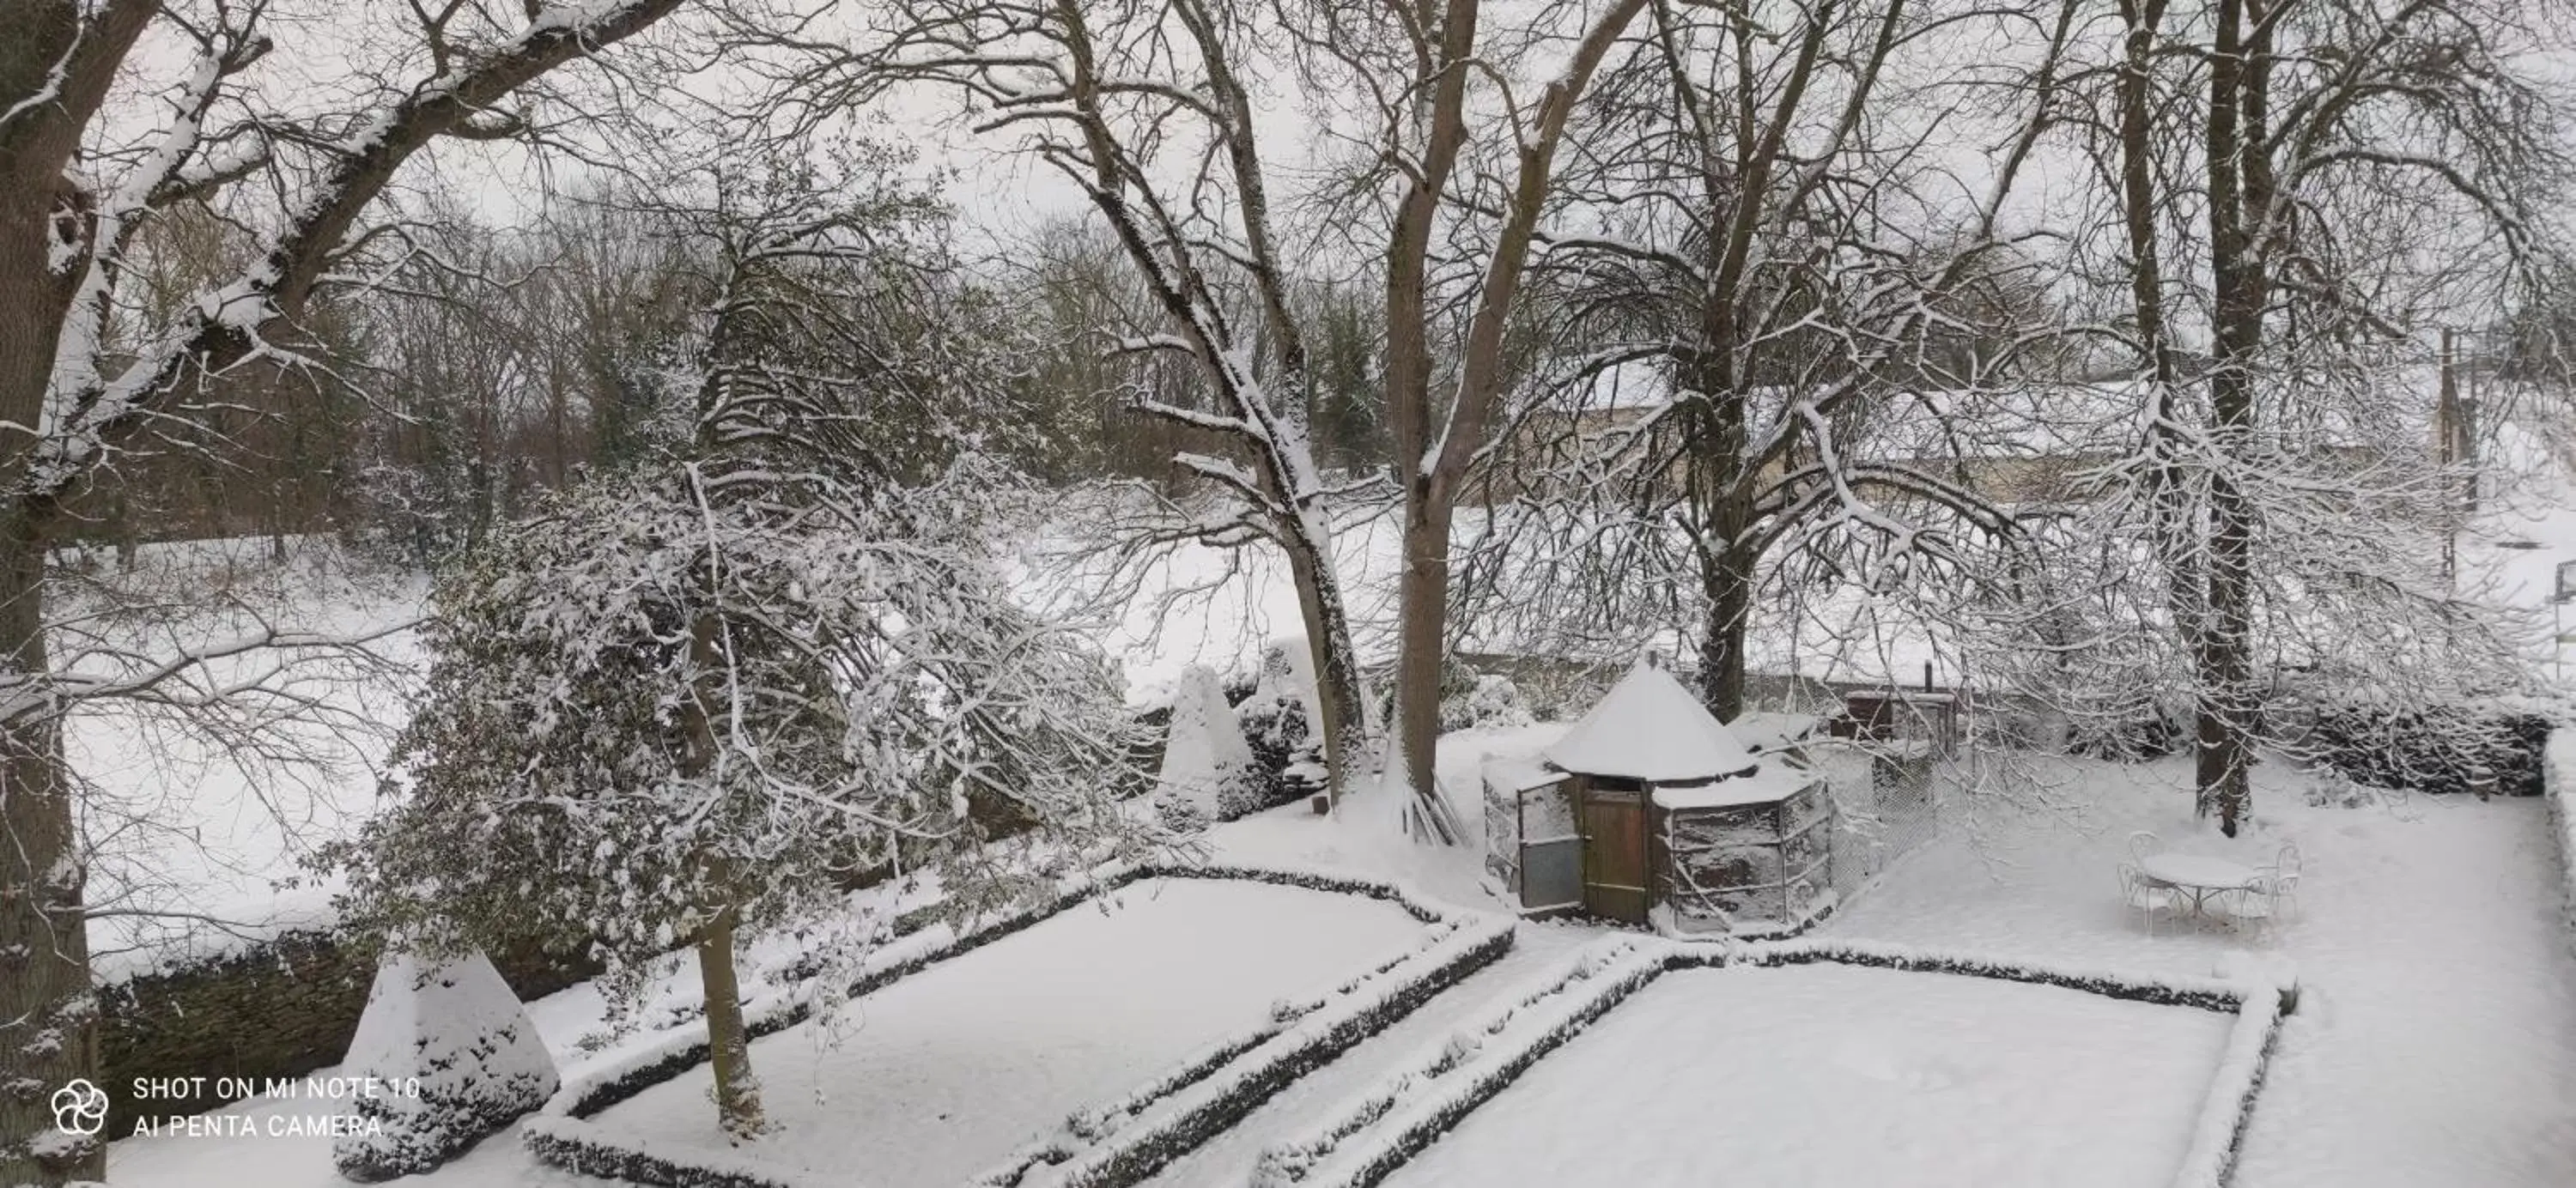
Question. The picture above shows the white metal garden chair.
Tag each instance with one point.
(2275, 888)
(2286, 867)
(2144, 897)
(2259, 903)
(2143, 844)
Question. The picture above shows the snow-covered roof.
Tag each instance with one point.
(1773, 782)
(1762, 731)
(1519, 774)
(1650, 728)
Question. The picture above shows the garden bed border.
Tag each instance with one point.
(1382, 1130)
(2558, 772)
(1110, 1146)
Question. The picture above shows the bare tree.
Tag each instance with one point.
(2361, 171)
(1455, 167)
(78, 182)
(1754, 233)
(1148, 108)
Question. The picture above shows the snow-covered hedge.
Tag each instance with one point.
(2558, 786)
(459, 1047)
(1109, 1146)
(1379, 1132)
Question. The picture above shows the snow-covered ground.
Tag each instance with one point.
(1827, 1074)
(944, 1074)
(2435, 1037)
(199, 838)
(2435, 1040)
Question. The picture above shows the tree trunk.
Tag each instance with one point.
(1726, 579)
(1422, 600)
(2224, 656)
(1718, 493)
(48, 1017)
(1340, 699)
(728, 1047)
(728, 1044)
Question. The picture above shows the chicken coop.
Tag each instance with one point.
(1651, 811)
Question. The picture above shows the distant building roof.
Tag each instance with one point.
(1650, 728)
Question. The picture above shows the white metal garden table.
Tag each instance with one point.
(2197, 875)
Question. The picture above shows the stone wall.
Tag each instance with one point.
(281, 1008)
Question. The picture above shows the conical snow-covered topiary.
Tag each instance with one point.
(455, 1058)
(1207, 766)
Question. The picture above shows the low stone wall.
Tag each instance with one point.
(281, 1008)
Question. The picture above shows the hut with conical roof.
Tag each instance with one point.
(1651, 810)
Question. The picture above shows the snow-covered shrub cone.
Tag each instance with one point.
(1379, 1131)
(1112, 1144)
(457, 1055)
(1207, 766)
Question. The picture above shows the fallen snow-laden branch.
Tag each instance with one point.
(1108, 1146)
(1376, 1134)
(2558, 774)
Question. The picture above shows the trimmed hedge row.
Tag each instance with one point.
(2558, 786)
(283, 1006)
(1108, 1147)
(1388, 1127)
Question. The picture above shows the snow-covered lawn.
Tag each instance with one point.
(198, 839)
(943, 1074)
(1830, 1074)
(2435, 1037)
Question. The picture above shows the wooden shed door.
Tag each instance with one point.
(1614, 854)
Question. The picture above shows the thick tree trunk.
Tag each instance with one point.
(728, 1044)
(48, 1018)
(1719, 493)
(1726, 578)
(1422, 609)
(2227, 699)
(1340, 698)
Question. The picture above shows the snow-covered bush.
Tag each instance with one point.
(2423, 744)
(2329, 788)
(1277, 721)
(1208, 772)
(456, 1059)
(1482, 700)
(2147, 730)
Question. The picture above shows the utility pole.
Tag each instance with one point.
(2446, 414)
